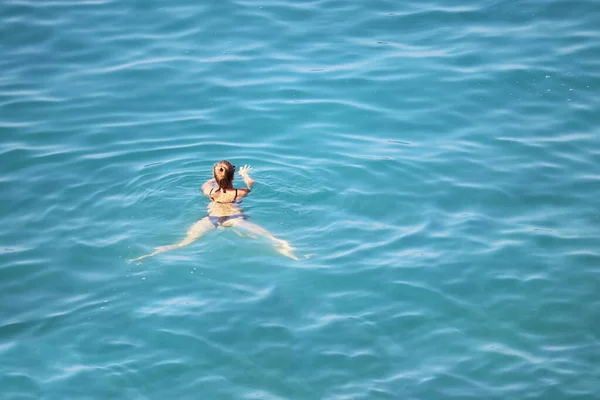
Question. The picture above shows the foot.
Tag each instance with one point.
(139, 258)
(284, 248)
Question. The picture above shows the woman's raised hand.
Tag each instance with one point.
(245, 169)
(244, 173)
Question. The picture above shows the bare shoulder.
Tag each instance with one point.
(208, 186)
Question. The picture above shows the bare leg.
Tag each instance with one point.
(280, 245)
(195, 231)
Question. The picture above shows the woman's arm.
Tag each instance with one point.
(246, 176)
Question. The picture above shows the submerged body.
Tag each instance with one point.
(224, 211)
(219, 212)
(220, 215)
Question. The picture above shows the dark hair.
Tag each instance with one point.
(223, 173)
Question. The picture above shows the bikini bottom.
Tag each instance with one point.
(219, 221)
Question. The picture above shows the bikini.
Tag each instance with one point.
(222, 202)
(216, 221)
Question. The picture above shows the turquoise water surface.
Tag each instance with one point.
(438, 162)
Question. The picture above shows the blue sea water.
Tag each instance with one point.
(437, 161)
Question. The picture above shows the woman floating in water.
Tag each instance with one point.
(223, 210)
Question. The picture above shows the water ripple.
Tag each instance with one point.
(438, 162)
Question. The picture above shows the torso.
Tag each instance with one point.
(223, 209)
(225, 204)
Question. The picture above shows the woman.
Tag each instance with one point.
(223, 210)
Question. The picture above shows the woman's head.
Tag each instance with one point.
(223, 173)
